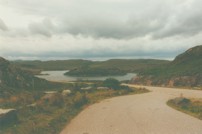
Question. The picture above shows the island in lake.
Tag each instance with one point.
(93, 72)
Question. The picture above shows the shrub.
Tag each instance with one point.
(112, 83)
(181, 101)
(80, 99)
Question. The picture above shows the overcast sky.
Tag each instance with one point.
(98, 29)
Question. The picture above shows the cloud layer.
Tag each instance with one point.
(99, 28)
(3, 26)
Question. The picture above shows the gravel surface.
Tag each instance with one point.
(137, 114)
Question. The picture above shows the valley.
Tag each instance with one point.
(82, 102)
(100, 67)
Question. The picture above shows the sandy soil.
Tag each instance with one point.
(137, 114)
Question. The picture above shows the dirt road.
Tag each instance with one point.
(137, 114)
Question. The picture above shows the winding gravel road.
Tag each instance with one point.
(137, 114)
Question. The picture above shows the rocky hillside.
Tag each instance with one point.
(184, 70)
(189, 62)
(191, 56)
(12, 76)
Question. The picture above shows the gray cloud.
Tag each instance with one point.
(186, 21)
(44, 28)
(162, 19)
(100, 28)
(3, 26)
(116, 19)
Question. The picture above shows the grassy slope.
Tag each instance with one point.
(188, 63)
(184, 71)
(193, 108)
(50, 117)
(15, 79)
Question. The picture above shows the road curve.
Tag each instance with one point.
(137, 114)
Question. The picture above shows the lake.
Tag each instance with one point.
(59, 76)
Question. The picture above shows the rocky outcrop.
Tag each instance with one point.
(192, 56)
(12, 76)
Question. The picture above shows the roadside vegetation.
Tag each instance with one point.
(192, 107)
(48, 112)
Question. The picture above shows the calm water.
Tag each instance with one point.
(59, 76)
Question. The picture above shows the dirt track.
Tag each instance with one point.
(137, 114)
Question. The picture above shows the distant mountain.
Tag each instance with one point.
(14, 77)
(128, 65)
(52, 64)
(184, 70)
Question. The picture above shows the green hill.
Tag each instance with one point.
(184, 70)
(95, 72)
(115, 67)
(52, 64)
(12, 76)
(192, 55)
(127, 65)
(189, 62)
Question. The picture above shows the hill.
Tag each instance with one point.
(52, 64)
(12, 77)
(189, 62)
(129, 65)
(119, 65)
(184, 70)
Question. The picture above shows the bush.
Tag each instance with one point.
(80, 100)
(181, 101)
(112, 83)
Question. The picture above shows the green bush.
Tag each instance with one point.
(80, 99)
(112, 83)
